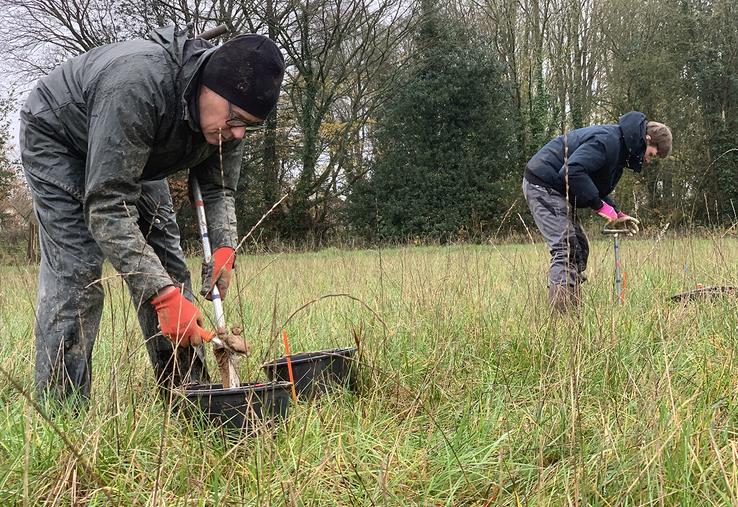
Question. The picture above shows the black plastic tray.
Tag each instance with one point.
(246, 408)
(315, 372)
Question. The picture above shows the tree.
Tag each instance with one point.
(7, 166)
(444, 157)
(713, 68)
(340, 51)
(16, 210)
(40, 34)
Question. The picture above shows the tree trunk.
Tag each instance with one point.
(33, 254)
(271, 160)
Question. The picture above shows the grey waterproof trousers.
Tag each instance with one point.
(557, 220)
(70, 293)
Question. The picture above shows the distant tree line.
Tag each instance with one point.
(414, 119)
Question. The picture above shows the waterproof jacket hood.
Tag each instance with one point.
(633, 128)
(596, 158)
(106, 120)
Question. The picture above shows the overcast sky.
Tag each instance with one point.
(8, 84)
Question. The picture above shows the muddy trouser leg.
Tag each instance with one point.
(158, 224)
(70, 296)
(564, 236)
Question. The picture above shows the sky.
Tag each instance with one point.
(7, 85)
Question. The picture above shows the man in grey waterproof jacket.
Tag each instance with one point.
(98, 136)
(579, 170)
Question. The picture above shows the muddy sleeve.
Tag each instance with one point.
(123, 110)
(218, 184)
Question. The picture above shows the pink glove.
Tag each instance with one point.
(607, 211)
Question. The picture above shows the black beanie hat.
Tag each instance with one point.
(247, 71)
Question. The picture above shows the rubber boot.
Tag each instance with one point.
(575, 293)
(564, 298)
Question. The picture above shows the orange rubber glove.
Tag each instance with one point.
(179, 319)
(223, 259)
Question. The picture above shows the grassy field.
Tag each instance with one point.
(472, 393)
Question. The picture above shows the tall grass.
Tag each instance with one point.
(473, 393)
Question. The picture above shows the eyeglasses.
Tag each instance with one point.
(236, 122)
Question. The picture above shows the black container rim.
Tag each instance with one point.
(303, 357)
(254, 387)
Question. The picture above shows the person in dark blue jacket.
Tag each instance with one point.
(579, 170)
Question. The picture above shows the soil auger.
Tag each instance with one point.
(626, 226)
(225, 344)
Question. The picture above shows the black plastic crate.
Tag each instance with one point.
(246, 408)
(316, 372)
